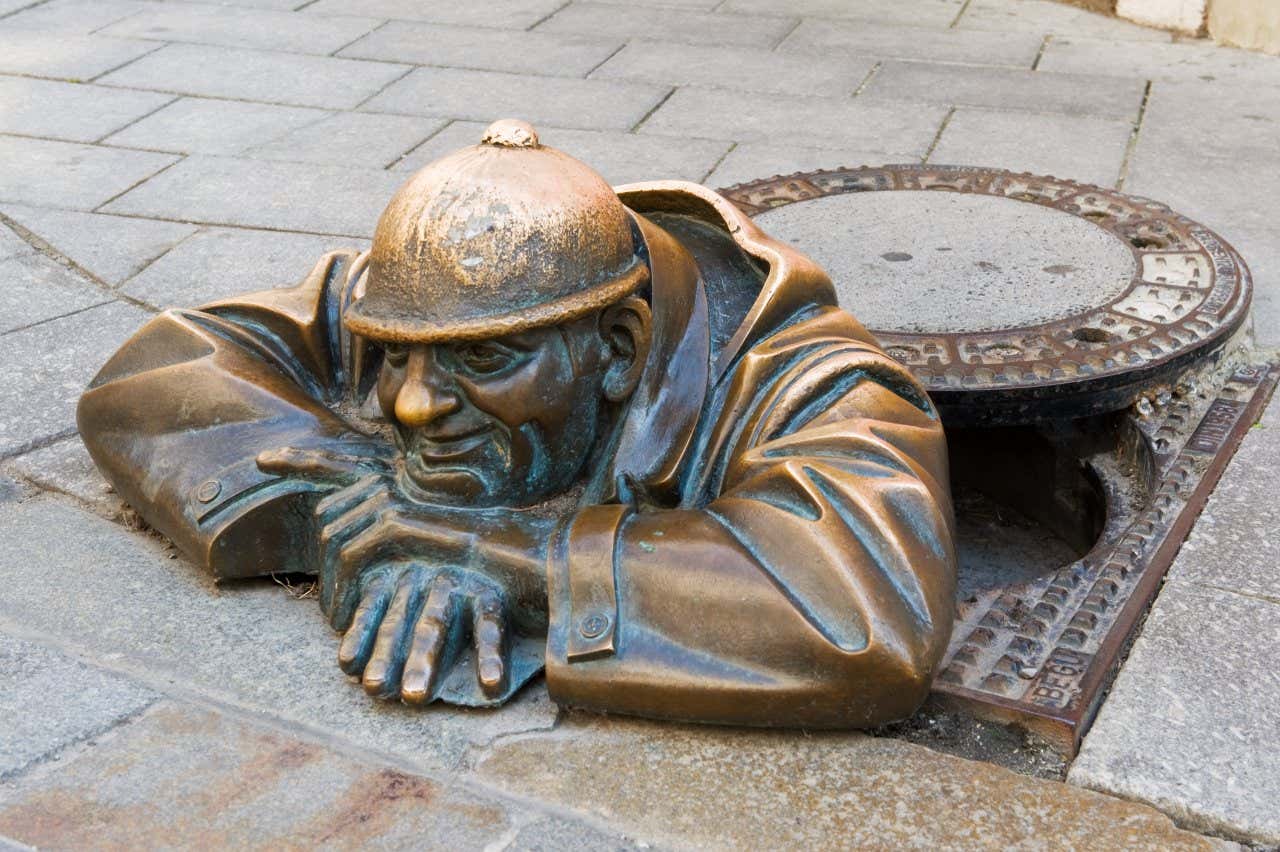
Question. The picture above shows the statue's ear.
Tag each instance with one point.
(627, 330)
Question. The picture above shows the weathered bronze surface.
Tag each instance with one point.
(1110, 427)
(622, 435)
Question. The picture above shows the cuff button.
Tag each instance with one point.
(593, 626)
(208, 491)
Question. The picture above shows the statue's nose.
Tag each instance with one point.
(428, 392)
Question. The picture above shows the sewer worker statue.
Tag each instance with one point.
(622, 435)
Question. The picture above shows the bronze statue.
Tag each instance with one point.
(624, 435)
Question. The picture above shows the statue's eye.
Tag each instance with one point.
(483, 358)
(396, 354)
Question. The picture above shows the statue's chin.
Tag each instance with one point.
(447, 486)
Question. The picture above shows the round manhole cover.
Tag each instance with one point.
(1013, 297)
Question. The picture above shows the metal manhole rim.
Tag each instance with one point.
(961, 364)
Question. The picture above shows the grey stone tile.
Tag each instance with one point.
(509, 14)
(1261, 250)
(881, 41)
(232, 27)
(111, 247)
(12, 245)
(812, 122)
(264, 194)
(1007, 88)
(48, 54)
(250, 644)
(1235, 545)
(183, 775)
(555, 834)
(484, 48)
(279, 5)
(1080, 148)
(755, 160)
(49, 365)
(1181, 61)
(1245, 119)
(695, 5)
(218, 263)
(73, 17)
(351, 139)
(7, 6)
(699, 787)
(256, 75)
(79, 113)
(619, 157)
(1227, 194)
(62, 174)
(37, 288)
(487, 95)
(625, 22)
(736, 68)
(65, 466)
(50, 700)
(1189, 725)
(207, 126)
(919, 13)
(1048, 16)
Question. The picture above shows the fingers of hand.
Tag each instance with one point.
(314, 464)
(362, 503)
(357, 644)
(489, 632)
(386, 662)
(432, 638)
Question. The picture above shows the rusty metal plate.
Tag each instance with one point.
(1080, 344)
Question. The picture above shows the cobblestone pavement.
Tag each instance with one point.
(167, 153)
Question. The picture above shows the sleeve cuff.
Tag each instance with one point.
(583, 597)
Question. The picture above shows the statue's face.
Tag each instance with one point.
(508, 421)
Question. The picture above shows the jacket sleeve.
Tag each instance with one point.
(815, 589)
(176, 418)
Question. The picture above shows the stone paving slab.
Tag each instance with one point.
(71, 111)
(257, 75)
(180, 775)
(1190, 724)
(78, 58)
(481, 95)
(72, 17)
(727, 789)
(881, 41)
(753, 160)
(484, 48)
(207, 126)
(619, 157)
(50, 701)
(1184, 60)
(680, 25)
(36, 288)
(265, 194)
(930, 13)
(1235, 545)
(1245, 119)
(232, 27)
(65, 466)
(366, 140)
(811, 122)
(250, 645)
(62, 174)
(509, 14)
(1041, 143)
(1052, 17)
(1007, 88)
(48, 366)
(113, 248)
(218, 263)
(736, 68)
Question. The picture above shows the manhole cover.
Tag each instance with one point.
(1013, 297)
(1075, 340)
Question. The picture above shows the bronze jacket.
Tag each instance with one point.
(769, 540)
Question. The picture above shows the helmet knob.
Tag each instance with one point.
(510, 133)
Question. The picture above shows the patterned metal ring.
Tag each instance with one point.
(1188, 294)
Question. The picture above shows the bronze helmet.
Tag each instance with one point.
(494, 239)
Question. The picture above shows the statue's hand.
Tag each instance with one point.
(410, 624)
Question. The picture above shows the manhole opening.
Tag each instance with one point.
(1026, 502)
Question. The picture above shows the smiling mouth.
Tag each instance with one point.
(432, 451)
